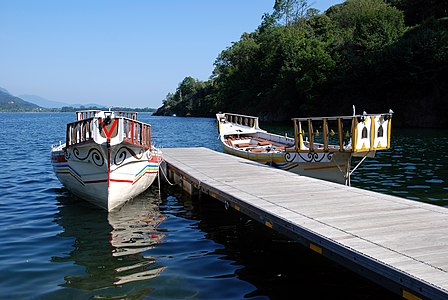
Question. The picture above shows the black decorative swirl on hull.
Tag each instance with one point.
(314, 157)
(289, 157)
(95, 155)
(67, 154)
(122, 154)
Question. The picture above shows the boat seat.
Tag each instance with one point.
(257, 150)
(228, 142)
(242, 145)
(264, 143)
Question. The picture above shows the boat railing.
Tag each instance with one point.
(79, 132)
(137, 133)
(359, 133)
(85, 114)
(127, 114)
(243, 120)
(127, 130)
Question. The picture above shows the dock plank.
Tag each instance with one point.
(385, 238)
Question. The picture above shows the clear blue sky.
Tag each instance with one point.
(118, 52)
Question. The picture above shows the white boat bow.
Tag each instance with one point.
(108, 157)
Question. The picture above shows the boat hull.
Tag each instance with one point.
(330, 167)
(106, 176)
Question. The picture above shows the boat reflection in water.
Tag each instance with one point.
(135, 231)
(113, 247)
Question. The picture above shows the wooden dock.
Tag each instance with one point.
(398, 243)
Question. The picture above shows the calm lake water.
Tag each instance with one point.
(164, 245)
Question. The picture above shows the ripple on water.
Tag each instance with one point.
(434, 180)
(418, 187)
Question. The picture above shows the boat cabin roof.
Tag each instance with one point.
(339, 117)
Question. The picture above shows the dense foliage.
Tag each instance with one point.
(375, 54)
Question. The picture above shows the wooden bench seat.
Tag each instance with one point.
(242, 145)
(257, 150)
(262, 142)
(265, 143)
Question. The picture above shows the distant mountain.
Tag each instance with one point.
(4, 90)
(43, 102)
(55, 104)
(9, 102)
(86, 105)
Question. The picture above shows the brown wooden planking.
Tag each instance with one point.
(401, 243)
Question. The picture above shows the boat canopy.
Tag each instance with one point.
(357, 133)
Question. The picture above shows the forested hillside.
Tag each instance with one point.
(9, 102)
(374, 54)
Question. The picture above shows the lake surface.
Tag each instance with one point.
(164, 245)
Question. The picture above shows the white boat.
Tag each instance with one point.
(322, 147)
(108, 157)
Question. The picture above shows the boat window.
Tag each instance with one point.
(364, 133)
(380, 131)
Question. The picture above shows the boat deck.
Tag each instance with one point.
(397, 243)
(254, 144)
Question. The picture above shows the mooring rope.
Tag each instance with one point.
(164, 175)
(160, 170)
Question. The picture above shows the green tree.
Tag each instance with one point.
(417, 11)
(289, 12)
(190, 99)
(367, 25)
(299, 62)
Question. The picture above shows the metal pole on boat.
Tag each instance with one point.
(108, 162)
(348, 173)
(356, 167)
(158, 180)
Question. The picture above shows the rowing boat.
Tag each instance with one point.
(321, 147)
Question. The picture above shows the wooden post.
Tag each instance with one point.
(67, 136)
(373, 132)
(325, 134)
(132, 132)
(341, 135)
(354, 133)
(297, 135)
(311, 133)
(389, 126)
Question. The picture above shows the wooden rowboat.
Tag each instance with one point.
(322, 147)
